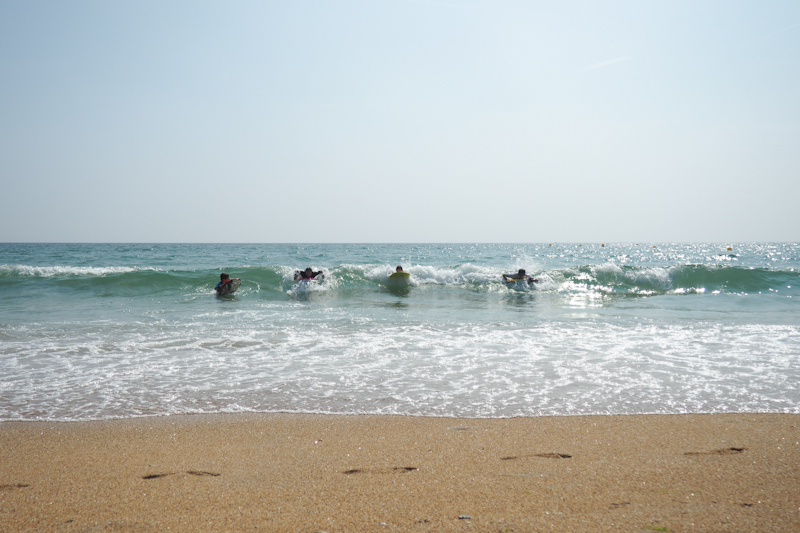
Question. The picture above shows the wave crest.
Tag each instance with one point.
(609, 278)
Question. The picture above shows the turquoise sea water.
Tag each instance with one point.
(94, 331)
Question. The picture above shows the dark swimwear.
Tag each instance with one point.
(298, 275)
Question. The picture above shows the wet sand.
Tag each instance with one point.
(282, 472)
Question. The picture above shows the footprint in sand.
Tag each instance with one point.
(191, 472)
(156, 476)
(13, 486)
(722, 451)
(545, 455)
(395, 470)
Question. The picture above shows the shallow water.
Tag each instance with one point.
(92, 331)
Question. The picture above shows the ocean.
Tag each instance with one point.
(100, 331)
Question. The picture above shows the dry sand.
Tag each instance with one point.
(280, 472)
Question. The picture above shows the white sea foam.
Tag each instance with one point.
(52, 271)
(462, 274)
(422, 369)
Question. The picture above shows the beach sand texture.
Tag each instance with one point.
(290, 472)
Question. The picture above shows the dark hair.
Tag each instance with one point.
(521, 270)
(223, 276)
(398, 269)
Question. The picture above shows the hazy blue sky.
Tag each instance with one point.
(400, 121)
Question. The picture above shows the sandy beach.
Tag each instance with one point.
(282, 472)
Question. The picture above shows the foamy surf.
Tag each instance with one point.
(104, 331)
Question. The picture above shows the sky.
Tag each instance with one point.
(400, 121)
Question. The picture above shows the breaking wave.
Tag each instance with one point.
(346, 279)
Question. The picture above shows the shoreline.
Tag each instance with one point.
(313, 472)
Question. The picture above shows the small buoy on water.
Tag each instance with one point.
(729, 248)
(654, 246)
(603, 245)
